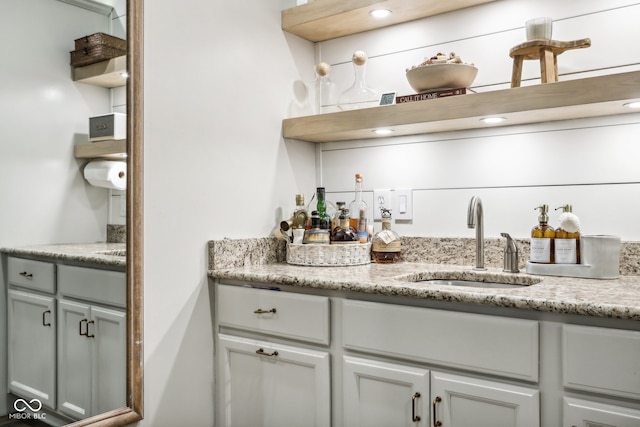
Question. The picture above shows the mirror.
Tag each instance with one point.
(45, 197)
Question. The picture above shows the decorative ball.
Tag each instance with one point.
(359, 57)
(323, 69)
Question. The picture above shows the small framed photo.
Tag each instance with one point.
(388, 98)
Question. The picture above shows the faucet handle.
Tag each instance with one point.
(510, 255)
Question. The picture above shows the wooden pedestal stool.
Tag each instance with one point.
(547, 52)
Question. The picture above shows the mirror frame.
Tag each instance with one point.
(135, 357)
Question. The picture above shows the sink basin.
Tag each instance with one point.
(113, 252)
(470, 283)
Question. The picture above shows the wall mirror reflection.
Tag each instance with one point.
(69, 224)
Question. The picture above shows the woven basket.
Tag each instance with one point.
(321, 255)
(100, 39)
(91, 55)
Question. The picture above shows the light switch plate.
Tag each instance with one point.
(403, 205)
(381, 199)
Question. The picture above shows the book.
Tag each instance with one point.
(432, 94)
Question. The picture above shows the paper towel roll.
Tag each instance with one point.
(107, 174)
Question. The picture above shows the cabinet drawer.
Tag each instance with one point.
(103, 286)
(37, 275)
(601, 360)
(296, 316)
(482, 343)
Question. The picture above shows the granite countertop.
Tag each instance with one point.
(613, 298)
(107, 254)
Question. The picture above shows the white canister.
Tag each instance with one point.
(539, 28)
(602, 254)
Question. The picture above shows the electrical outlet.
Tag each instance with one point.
(381, 199)
(404, 205)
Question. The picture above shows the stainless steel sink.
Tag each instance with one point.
(471, 283)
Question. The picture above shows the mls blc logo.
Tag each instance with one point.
(21, 406)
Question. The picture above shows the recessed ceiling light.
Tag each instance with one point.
(382, 131)
(492, 120)
(634, 104)
(380, 13)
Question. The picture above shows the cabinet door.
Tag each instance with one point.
(582, 413)
(108, 333)
(465, 401)
(378, 394)
(74, 359)
(31, 356)
(272, 385)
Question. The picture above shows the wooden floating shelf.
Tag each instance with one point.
(110, 149)
(104, 74)
(328, 19)
(565, 100)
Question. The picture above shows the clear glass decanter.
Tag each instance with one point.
(359, 95)
(326, 94)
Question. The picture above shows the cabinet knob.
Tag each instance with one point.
(27, 275)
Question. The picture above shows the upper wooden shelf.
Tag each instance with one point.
(110, 149)
(565, 100)
(105, 73)
(328, 19)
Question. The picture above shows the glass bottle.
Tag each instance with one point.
(344, 233)
(386, 246)
(335, 221)
(300, 214)
(359, 95)
(321, 207)
(542, 239)
(325, 89)
(315, 234)
(358, 212)
(567, 238)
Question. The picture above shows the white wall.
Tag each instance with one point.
(44, 114)
(217, 84)
(587, 163)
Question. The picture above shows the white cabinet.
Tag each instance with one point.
(583, 413)
(383, 394)
(464, 401)
(390, 394)
(91, 341)
(91, 359)
(272, 385)
(31, 344)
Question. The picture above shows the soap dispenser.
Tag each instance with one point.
(567, 239)
(542, 239)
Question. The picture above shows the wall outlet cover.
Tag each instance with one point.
(403, 205)
(381, 199)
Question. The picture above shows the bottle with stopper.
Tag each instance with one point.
(567, 238)
(542, 239)
(386, 246)
(326, 95)
(358, 212)
(344, 233)
(359, 95)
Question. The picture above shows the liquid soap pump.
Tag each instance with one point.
(542, 239)
(567, 239)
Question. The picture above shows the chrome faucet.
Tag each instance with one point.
(510, 255)
(475, 220)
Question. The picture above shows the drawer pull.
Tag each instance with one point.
(44, 318)
(414, 417)
(80, 327)
(436, 423)
(261, 352)
(261, 311)
(90, 322)
(27, 275)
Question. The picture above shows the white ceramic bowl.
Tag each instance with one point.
(441, 76)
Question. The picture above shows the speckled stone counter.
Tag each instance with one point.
(261, 260)
(105, 254)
